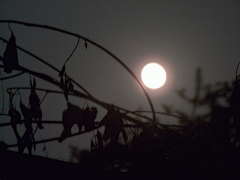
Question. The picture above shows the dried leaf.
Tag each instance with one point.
(25, 111)
(66, 81)
(15, 116)
(100, 141)
(70, 87)
(93, 147)
(34, 83)
(86, 44)
(10, 60)
(113, 126)
(125, 137)
(62, 71)
(66, 92)
(33, 98)
(62, 85)
(71, 116)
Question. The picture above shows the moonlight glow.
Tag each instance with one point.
(153, 75)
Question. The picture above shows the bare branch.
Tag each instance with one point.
(95, 44)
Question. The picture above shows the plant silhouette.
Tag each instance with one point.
(28, 139)
(75, 115)
(10, 59)
(34, 102)
(203, 143)
(113, 122)
(16, 119)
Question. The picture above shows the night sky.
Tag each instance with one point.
(180, 35)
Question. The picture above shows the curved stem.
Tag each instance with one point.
(72, 52)
(9, 77)
(95, 44)
(46, 63)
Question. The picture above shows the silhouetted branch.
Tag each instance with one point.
(133, 112)
(10, 77)
(38, 89)
(60, 122)
(95, 44)
(157, 113)
(61, 92)
(47, 78)
(46, 63)
(34, 122)
(54, 139)
(72, 52)
(72, 135)
(2, 114)
(86, 97)
(74, 92)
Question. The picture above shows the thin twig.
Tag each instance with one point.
(10, 77)
(46, 63)
(72, 52)
(60, 122)
(158, 113)
(56, 138)
(78, 94)
(95, 44)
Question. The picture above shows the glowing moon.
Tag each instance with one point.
(153, 75)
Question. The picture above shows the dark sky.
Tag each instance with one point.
(181, 35)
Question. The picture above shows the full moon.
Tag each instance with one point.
(153, 75)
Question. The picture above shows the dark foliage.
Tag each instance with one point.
(113, 122)
(75, 115)
(206, 146)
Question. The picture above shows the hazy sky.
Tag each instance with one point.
(180, 34)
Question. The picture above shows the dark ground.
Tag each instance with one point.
(23, 166)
